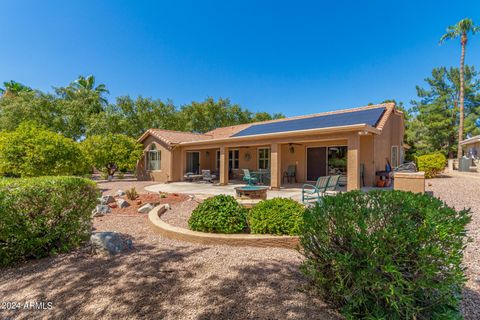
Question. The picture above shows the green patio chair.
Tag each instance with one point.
(249, 178)
(332, 185)
(313, 193)
(290, 173)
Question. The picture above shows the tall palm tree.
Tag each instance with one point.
(461, 30)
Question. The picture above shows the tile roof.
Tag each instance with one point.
(171, 137)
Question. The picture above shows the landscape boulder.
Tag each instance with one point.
(101, 209)
(146, 208)
(120, 193)
(106, 200)
(110, 242)
(123, 203)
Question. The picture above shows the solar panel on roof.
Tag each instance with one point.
(368, 116)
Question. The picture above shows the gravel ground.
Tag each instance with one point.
(166, 279)
(180, 213)
(462, 191)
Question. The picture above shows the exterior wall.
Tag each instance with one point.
(162, 175)
(367, 159)
(392, 135)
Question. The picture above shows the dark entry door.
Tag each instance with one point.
(316, 163)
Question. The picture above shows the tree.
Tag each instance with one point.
(13, 88)
(434, 118)
(112, 152)
(31, 151)
(461, 29)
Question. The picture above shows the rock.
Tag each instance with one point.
(113, 205)
(167, 206)
(100, 210)
(146, 208)
(106, 199)
(123, 203)
(120, 193)
(110, 242)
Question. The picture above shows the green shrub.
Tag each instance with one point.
(386, 254)
(219, 214)
(43, 216)
(432, 164)
(279, 216)
(31, 151)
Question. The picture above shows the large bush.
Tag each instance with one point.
(279, 216)
(219, 214)
(43, 216)
(34, 151)
(432, 164)
(386, 254)
(112, 152)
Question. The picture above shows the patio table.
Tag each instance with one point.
(260, 175)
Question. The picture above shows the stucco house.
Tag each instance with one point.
(352, 142)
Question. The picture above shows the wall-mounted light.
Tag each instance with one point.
(208, 154)
(292, 148)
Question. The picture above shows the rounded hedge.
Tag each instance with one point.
(280, 216)
(219, 214)
(43, 216)
(386, 254)
(431, 164)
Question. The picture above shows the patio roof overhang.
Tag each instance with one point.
(474, 139)
(362, 129)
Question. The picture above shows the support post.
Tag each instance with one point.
(275, 166)
(223, 166)
(353, 162)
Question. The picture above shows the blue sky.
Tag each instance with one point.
(295, 57)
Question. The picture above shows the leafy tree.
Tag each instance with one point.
(112, 152)
(435, 117)
(461, 30)
(210, 114)
(35, 151)
(31, 106)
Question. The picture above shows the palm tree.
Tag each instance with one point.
(13, 88)
(87, 84)
(461, 29)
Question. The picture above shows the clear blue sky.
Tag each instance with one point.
(294, 57)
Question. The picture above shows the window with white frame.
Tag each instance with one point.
(233, 156)
(264, 158)
(153, 158)
(394, 157)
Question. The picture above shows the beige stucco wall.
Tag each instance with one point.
(162, 175)
(392, 135)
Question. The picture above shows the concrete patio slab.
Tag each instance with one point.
(209, 189)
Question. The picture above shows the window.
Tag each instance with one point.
(153, 158)
(337, 160)
(264, 158)
(394, 156)
(218, 160)
(233, 156)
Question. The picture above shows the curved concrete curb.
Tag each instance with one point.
(252, 240)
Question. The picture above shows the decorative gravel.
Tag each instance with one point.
(462, 191)
(180, 213)
(167, 279)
